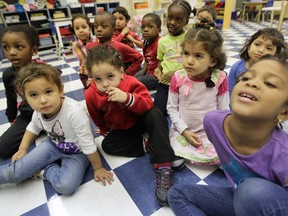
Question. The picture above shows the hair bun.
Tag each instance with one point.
(204, 23)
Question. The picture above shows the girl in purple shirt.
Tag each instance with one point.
(252, 149)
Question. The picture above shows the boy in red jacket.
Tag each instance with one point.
(104, 25)
(122, 108)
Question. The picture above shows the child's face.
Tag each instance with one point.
(204, 15)
(261, 93)
(259, 47)
(196, 61)
(103, 28)
(106, 75)
(82, 29)
(176, 20)
(43, 96)
(149, 29)
(120, 21)
(17, 49)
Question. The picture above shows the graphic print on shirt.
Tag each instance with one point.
(176, 54)
(237, 172)
(57, 136)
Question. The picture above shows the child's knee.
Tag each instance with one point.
(65, 188)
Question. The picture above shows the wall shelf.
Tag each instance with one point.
(44, 19)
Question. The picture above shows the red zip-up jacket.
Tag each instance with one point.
(108, 115)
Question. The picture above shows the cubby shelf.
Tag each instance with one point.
(43, 19)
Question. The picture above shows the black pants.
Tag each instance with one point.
(11, 139)
(129, 143)
(161, 98)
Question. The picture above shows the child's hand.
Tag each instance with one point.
(116, 95)
(88, 82)
(103, 175)
(130, 38)
(166, 77)
(125, 30)
(192, 138)
(19, 154)
(158, 73)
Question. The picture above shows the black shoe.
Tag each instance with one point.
(163, 183)
(178, 163)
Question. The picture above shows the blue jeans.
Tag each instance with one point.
(253, 196)
(65, 176)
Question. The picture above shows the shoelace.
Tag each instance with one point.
(163, 180)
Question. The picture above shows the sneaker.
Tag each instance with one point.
(38, 175)
(163, 183)
(178, 163)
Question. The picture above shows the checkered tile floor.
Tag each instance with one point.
(132, 192)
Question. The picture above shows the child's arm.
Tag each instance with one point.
(80, 122)
(223, 98)
(166, 77)
(173, 111)
(100, 173)
(192, 138)
(135, 39)
(158, 71)
(144, 69)
(129, 53)
(27, 140)
(76, 49)
(11, 96)
(120, 36)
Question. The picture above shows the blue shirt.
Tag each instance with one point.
(235, 71)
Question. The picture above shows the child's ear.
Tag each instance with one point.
(159, 30)
(213, 63)
(62, 90)
(35, 50)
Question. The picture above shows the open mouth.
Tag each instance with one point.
(171, 29)
(15, 61)
(250, 97)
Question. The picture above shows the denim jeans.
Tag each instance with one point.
(65, 176)
(253, 196)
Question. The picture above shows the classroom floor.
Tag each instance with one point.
(133, 190)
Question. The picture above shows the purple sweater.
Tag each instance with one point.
(269, 162)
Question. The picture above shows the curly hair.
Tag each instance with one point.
(30, 33)
(210, 9)
(212, 41)
(272, 34)
(103, 54)
(123, 11)
(76, 16)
